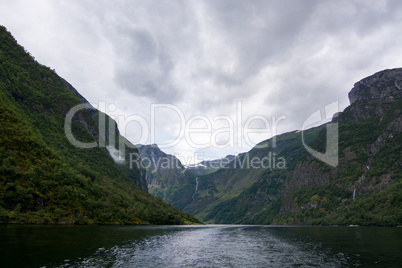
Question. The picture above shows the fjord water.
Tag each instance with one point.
(199, 246)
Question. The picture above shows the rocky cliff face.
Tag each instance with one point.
(166, 177)
(375, 95)
(160, 166)
(384, 86)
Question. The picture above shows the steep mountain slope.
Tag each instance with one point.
(279, 182)
(43, 176)
(166, 176)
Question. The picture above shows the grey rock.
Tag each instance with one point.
(385, 86)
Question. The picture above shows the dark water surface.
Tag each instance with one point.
(199, 246)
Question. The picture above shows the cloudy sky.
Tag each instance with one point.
(207, 78)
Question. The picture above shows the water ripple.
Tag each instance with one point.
(218, 246)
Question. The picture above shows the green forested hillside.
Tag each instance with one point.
(43, 177)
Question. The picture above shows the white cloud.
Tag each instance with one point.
(278, 58)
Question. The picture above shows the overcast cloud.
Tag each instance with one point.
(274, 59)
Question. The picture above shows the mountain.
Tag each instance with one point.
(293, 178)
(62, 160)
(209, 166)
(166, 177)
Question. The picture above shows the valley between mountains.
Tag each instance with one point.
(44, 178)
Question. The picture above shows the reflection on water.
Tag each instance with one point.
(199, 246)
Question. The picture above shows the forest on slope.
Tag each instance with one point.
(46, 179)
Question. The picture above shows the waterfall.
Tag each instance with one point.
(196, 187)
(354, 194)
